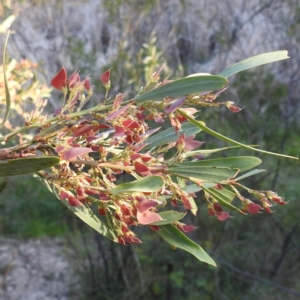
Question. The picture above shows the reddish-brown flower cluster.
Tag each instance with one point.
(98, 147)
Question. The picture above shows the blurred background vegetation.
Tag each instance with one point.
(258, 256)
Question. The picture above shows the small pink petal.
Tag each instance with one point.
(254, 208)
(59, 80)
(234, 108)
(191, 144)
(148, 217)
(223, 215)
(74, 152)
(117, 113)
(146, 205)
(118, 100)
(87, 84)
(105, 77)
(59, 148)
(186, 228)
(73, 79)
(74, 202)
(186, 202)
(140, 168)
(173, 106)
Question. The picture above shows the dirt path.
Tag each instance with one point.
(35, 270)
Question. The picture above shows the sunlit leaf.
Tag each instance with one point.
(184, 86)
(7, 95)
(146, 185)
(12, 167)
(254, 61)
(202, 125)
(243, 163)
(169, 135)
(177, 239)
(169, 217)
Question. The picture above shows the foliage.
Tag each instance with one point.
(28, 210)
(85, 151)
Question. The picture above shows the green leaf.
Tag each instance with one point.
(176, 238)
(209, 174)
(243, 163)
(169, 135)
(2, 184)
(12, 167)
(184, 86)
(7, 95)
(225, 194)
(85, 214)
(169, 217)
(182, 185)
(202, 125)
(251, 173)
(208, 152)
(254, 61)
(221, 198)
(145, 185)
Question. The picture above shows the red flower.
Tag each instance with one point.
(105, 77)
(253, 208)
(59, 81)
(148, 217)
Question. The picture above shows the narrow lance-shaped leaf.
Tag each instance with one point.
(202, 125)
(207, 174)
(184, 86)
(147, 185)
(254, 61)
(222, 199)
(243, 163)
(177, 239)
(13, 167)
(223, 193)
(248, 174)
(169, 135)
(208, 152)
(86, 215)
(7, 95)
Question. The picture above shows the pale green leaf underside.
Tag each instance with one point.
(184, 86)
(145, 185)
(13, 167)
(254, 61)
(243, 163)
(176, 238)
(207, 174)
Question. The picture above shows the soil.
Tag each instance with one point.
(35, 270)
